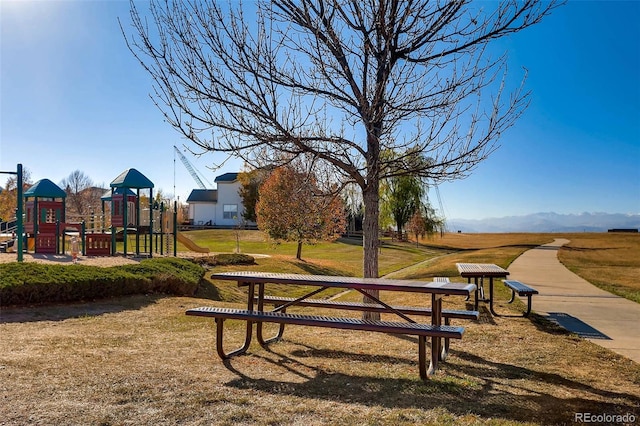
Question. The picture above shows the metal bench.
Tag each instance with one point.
(421, 330)
(522, 290)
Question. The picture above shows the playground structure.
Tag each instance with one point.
(45, 215)
(122, 204)
(133, 218)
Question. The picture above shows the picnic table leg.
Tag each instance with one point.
(475, 305)
(494, 313)
(264, 342)
(422, 357)
(436, 319)
(248, 333)
(445, 349)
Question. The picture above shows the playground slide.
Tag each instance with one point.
(188, 243)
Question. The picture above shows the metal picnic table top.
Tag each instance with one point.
(384, 284)
(479, 271)
(472, 270)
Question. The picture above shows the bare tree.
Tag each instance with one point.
(343, 80)
(81, 197)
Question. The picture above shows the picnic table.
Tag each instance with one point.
(257, 313)
(477, 272)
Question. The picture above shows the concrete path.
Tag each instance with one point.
(607, 320)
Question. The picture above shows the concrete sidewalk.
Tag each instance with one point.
(607, 320)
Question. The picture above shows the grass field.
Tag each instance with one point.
(140, 360)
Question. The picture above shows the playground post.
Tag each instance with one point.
(19, 228)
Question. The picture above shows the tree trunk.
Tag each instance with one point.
(399, 226)
(299, 252)
(370, 240)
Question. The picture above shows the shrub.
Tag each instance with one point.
(234, 259)
(225, 259)
(204, 261)
(32, 283)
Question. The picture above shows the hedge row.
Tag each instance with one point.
(34, 283)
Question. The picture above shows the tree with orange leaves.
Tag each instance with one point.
(293, 208)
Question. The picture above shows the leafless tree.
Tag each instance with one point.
(82, 197)
(342, 80)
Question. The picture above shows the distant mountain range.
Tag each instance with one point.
(548, 222)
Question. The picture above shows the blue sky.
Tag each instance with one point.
(73, 97)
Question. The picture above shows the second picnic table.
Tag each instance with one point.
(477, 272)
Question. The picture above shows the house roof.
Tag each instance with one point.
(131, 178)
(203, 196)
(44, 188)
(227, 177)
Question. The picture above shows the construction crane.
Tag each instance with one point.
(444, 217)
(195, 174)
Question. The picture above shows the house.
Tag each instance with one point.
(217, 207)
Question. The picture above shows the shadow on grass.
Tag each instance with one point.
(472, 385)
(64, 311)
(467, 249)
(485, 315)
(207, 290)
(350, 241)
(403, 246)
(313, 269)
(585, 249)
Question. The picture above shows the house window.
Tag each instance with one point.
(230, 211)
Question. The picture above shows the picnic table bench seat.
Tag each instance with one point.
(522, 290)
(447, 314)
(419, 329)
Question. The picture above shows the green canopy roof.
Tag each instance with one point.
(44, 188)
(131, 178)
(108, 194)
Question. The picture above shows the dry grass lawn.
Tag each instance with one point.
(140, 360)
(610, 261)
